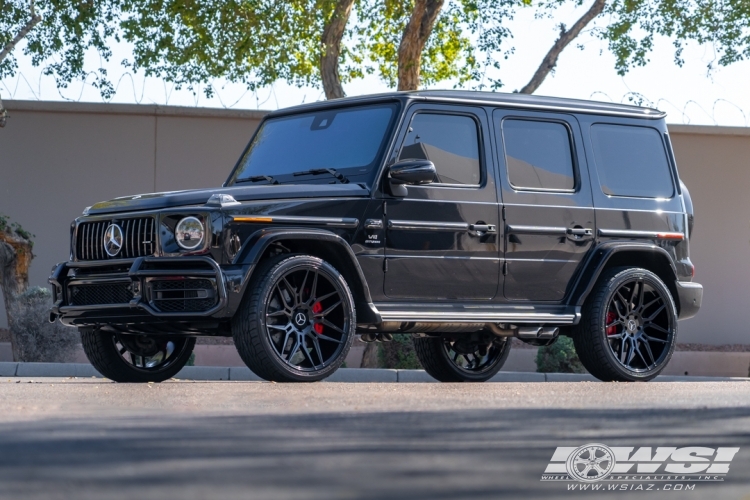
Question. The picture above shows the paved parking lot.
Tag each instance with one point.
(90, 438)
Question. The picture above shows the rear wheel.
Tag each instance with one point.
(629, 326)
(297, 321)
(126, 357)
(470, 358)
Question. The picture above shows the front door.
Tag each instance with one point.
(441, 239)
(548, 209)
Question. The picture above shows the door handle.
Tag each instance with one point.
(483, 228)
(579, 233)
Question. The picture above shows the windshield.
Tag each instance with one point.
(348, 140)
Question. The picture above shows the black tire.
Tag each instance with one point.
(106, 351)
(265, 329)
(628, 328)
(440, 358)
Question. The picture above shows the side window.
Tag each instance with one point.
(451, 142)
(631, 161)
(538, 155)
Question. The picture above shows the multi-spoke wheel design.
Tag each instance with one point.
(464, 358)
(629, 327)
(297, 321)
(639, 327)
(136, 358)
(305, 320)
(591, 462)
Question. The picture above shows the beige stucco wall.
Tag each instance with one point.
(714, 162)
(57, 158)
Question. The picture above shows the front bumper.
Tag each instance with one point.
(690, 297)
(144, 290)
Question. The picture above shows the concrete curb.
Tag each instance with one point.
(369, 375)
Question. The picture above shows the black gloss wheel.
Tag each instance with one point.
(629, 326)
(638, 326)
(306, 320)
(297, 321)
(466, 358)
(136, 358)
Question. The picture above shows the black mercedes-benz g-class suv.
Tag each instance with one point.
(461, 218)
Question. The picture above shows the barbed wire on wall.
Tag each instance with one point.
(689, 112)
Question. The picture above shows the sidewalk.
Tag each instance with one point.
(237, 373)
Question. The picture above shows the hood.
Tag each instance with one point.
(156, 201)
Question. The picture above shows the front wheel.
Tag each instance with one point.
(297, 320)
(467, 358)
(125, 357)
(629, 327)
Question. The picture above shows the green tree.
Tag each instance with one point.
(58, 34)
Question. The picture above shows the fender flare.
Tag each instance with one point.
(252, 251)
(598, 259)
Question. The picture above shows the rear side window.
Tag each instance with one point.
(451, 142)
(538, 155)
(631, 161)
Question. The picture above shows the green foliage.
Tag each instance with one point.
(16, 228)
(67, 31)
(559, 357)
(399, 354)
(635, 24)
(191, 360)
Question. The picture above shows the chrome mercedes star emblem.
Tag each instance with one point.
(300, 318)
(113, 240)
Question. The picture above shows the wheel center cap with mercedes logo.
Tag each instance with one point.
(300, 318)
(113, 240)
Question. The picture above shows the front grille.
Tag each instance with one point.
(138, 239)
(190, 295)
(107, 293)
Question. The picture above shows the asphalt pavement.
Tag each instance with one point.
(94, 439)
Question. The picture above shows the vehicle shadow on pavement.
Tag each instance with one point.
(417, 455)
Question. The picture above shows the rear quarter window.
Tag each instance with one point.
(631, 161)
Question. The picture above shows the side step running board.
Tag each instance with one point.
(481, 317)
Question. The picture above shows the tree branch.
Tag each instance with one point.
(331, 41)
(550, 60)
(33, 21)
(416, 33)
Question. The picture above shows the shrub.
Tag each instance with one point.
(399, 354)
(559, 357)
(35, 338)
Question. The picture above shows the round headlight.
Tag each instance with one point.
(189, 233)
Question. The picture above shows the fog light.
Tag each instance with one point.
(189, 233)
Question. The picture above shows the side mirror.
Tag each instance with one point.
(414, 172)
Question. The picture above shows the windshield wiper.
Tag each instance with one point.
(256, 178)
(317, 171)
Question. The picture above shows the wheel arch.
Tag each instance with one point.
(319, 243)
(647, 256)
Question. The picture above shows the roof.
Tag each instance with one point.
(521, 101)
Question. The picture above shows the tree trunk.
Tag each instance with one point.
(550, 60)
(413, 41)
(370, 356)
(15, 260)
(331, 41)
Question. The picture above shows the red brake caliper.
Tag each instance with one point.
(611, 330)
(318, 327)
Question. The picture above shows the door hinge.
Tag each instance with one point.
(503, 212)
(385, 265)
(505, 268)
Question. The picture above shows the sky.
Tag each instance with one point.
(689, 94)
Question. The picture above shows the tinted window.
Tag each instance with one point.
(451, 142)
(340, 139)
(538, 155)
(631, 161)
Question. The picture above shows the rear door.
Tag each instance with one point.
(548, 209)
(441, 239)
